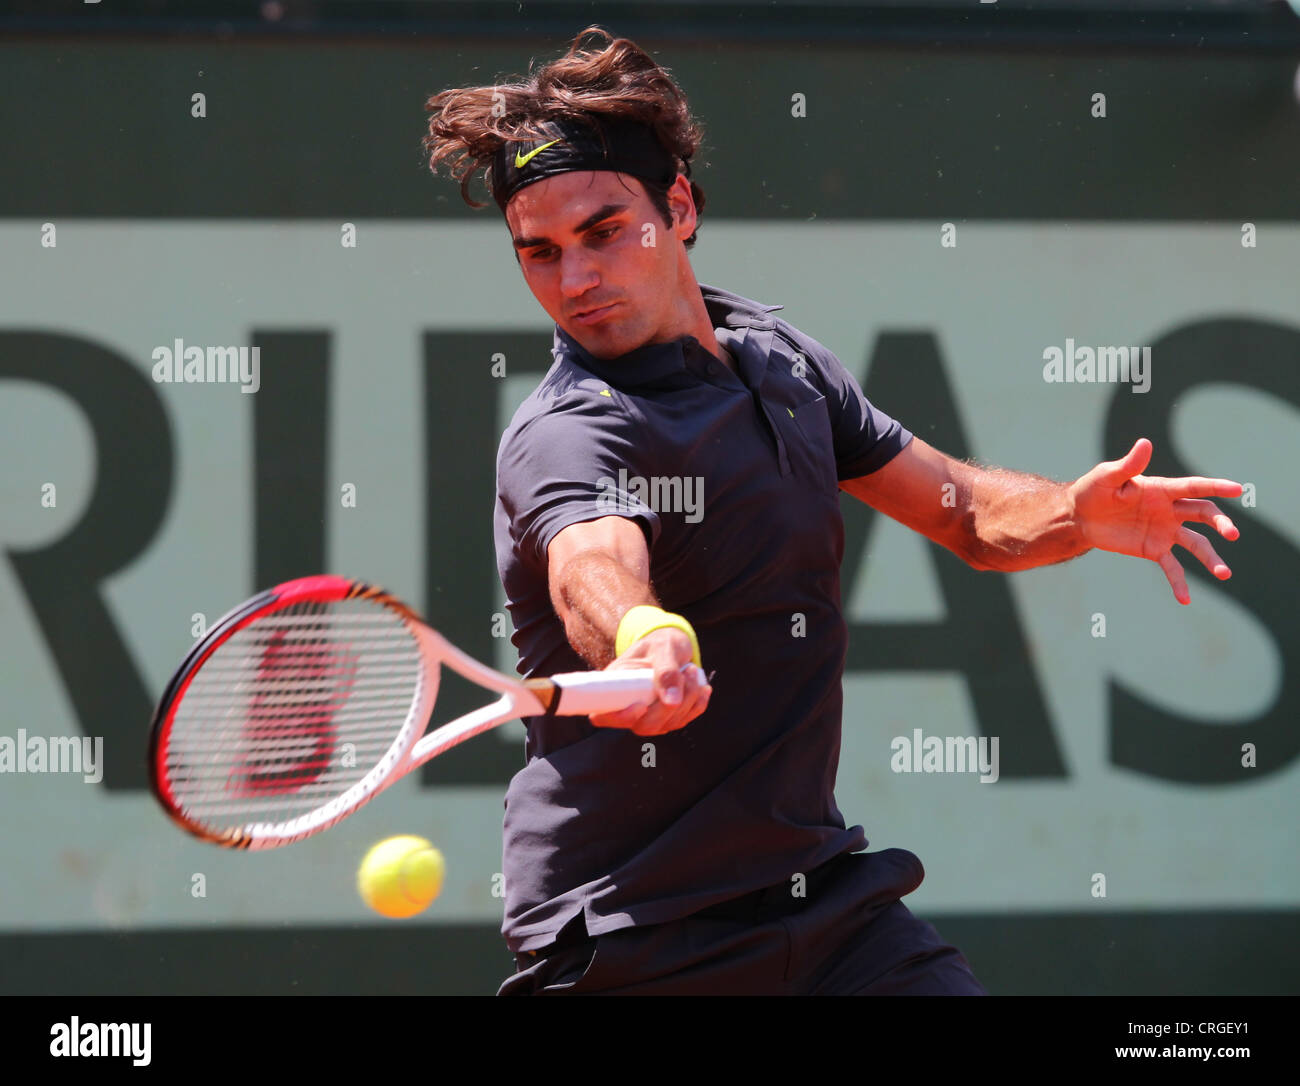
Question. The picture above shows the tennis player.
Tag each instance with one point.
(668, 494)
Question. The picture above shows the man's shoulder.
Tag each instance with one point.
(817, 358)
(735, 309)
(744, 311)
(567, 399)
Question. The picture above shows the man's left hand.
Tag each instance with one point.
(1119, 509)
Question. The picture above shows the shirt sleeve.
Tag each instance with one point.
(561, 468)
(865, 438)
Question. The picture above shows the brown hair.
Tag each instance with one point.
(468, 124)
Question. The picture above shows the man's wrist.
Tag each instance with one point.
(1031, 526)
(642, 619)
(1078, 524)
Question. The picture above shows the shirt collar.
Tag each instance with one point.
(656, 361)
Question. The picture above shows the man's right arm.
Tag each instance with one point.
(597, 571)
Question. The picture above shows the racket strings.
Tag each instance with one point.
(292, 711)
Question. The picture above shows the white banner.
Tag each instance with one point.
(77, 856)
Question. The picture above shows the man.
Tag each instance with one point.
(669, 496)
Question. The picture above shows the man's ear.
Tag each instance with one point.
(682, 206)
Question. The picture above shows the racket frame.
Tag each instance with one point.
(575, 693)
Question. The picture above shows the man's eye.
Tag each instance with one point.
(603, 235)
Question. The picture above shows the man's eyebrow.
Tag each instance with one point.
(586, 224)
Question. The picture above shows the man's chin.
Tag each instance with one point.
(600, 342)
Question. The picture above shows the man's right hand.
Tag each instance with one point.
(682, 690)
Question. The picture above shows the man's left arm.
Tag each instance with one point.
(1001, 520)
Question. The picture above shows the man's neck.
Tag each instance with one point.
(701, 326)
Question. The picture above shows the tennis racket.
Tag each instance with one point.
(303, 704)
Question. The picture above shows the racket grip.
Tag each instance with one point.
(585, 692)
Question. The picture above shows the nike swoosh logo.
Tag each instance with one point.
(521, 162)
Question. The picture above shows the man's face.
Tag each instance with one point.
(579, 237)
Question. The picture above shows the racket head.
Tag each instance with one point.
(296, 708)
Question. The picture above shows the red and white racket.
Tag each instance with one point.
(307, 701)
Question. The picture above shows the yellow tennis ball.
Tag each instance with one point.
(401, 876)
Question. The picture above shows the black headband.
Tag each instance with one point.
(630, 147)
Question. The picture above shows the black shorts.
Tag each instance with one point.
(848, 935)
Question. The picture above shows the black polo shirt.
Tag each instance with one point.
(734, 481)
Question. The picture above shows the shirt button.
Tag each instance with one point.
(713, 369)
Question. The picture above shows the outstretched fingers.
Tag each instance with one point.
(1204, 550)
(1174, 574)
(1206, 512)
(1198, 486)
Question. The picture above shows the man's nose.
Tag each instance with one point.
(577, 273)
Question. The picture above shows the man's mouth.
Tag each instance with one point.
(590, 316)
